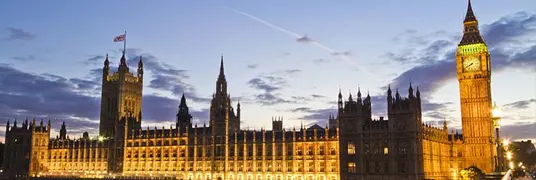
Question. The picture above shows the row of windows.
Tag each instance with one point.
(77, 166)
(74, 154)
(241, 151)
(239, 166)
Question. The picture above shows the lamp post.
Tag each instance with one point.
(499, 158)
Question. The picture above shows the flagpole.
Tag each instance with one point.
(125, 44)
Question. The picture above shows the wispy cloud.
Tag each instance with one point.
(24, 58)
(269, 83)
(253, 66)
(304, 39)
(18, 34)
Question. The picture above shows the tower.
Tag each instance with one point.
(473, 66)
(63, 132)
(184, 119)
(121, 97)
(223, 120)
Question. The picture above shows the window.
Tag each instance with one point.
(386, 150)
(351, 148)
(351, 167)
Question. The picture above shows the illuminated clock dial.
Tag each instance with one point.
(471, 64)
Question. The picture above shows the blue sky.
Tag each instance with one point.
(47, 44)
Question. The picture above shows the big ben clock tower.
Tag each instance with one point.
(473, 66)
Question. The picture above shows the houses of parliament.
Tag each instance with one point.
(352, 146)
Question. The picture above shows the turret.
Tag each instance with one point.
(7, 126)
(63, 131)
(140, 68)
(123, 64)
(410, 91)
(106, 68)
(183, 116)
(397, 95)
(418, 93)
(339, 102)
(238, 110)
(359, 100)
(34, 126)
(221, 83)
(277, 124)
(389, 97)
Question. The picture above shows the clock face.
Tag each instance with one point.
(471, 64)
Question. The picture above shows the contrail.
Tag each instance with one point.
(298, 36)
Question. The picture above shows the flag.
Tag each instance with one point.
(119, 38)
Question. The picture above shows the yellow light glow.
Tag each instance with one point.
(100, 138)
(506, 142)
(509, 155)
(472, 49)
(511, 164)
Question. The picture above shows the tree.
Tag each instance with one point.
(472, 173)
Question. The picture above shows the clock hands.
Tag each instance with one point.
(468, 65)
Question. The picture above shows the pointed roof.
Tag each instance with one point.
(123, 61)
(471, 34)
(183, 101)
(106, 62)
(469, 16)
(222, 73)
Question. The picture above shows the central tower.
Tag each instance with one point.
(223, 120)
(473, 66)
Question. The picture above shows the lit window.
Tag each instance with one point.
(385, 150)
(351, 167)
(351, 148)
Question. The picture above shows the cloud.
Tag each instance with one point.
(524, 104)
(321, 60)
(260, 84)
(46, 96)
(164, 76)
(24, 58)
(304, 39)
(431, 60)
(318, 96)
(18, 34)
(509, 29)
(268, 99)
(315, 116)
(518, 131)
(268, 83)
(96, 59)
(253, 66)
(343, 53)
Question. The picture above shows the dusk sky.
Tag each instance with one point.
(282, 58)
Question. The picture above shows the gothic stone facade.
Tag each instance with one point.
(352, 146)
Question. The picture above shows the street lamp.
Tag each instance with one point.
(496, 118)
